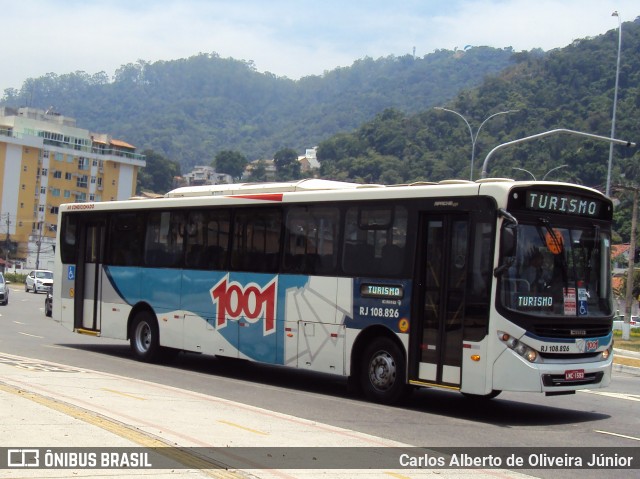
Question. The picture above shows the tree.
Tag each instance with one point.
(158, 175)
(287, 165)
(259, 172)
(230, 162)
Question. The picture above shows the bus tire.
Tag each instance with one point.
(144, 338)
(382, 372)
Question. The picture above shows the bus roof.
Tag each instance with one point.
(311, 184)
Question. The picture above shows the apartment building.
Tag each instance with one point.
(45, 161)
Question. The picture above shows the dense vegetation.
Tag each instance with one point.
(189, 110)
(570, 88)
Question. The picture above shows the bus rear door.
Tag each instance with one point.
(88, 281)
(436, 349)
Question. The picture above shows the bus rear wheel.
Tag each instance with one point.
(382, 372)
(144, 337)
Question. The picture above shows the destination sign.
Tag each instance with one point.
(562, 203)
(381, 291)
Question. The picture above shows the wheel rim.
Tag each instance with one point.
(143, 337)
(382, 371)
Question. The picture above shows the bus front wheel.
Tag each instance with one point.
(382, 373)
(145, 337)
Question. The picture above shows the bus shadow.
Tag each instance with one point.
(503, 411)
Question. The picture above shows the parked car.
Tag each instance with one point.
(48, 303)
(4, 290)
(634, 323)
(38, 280)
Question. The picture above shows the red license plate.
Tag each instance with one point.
(574, 375)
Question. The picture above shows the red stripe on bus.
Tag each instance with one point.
(264, 197)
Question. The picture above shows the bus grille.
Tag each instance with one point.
(556, 380)
(569, 356)
(572, 331)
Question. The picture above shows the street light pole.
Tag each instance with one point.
(526, 171)
(545, 175)
(553, 169)
(548, 133)
(474, 137)
(615, 102)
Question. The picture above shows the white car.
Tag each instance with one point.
(634, 323)
(4, 290)
(39, 280)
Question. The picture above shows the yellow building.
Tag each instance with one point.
(45, 161)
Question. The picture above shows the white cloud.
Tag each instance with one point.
(287, 37)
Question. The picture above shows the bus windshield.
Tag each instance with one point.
(559, 271)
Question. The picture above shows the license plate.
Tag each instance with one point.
(574, 375)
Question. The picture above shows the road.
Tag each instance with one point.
(429, 418)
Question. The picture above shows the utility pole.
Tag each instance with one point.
(7, 243)
(39, 244)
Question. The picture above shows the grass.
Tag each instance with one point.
(633, 344)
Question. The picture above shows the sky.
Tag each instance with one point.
(292, 38)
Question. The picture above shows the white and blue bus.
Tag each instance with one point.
(480, 287)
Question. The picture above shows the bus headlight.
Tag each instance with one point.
(606, 353)
(518, 346)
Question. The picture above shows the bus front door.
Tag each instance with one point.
(88, 284)
(437, 346)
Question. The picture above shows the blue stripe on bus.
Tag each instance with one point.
(603, 339)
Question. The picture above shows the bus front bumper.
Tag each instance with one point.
(513, 373)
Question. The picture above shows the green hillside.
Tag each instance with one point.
(189, 110)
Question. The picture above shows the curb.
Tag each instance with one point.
(622, 368)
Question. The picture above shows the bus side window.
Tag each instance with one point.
(207, 239)
(311, 237)
(68, 250)
(256, 240)
(164, 239)
(374, 241)
(126, 235)
(476, 319)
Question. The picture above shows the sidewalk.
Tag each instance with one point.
(49, 406)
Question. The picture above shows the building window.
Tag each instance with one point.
(83, 163)
(67, 194)
(43, 190)
(55, 191)
(57, 174)
(68, 176)
(58, 156)
(45, 172)
(82, 181)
